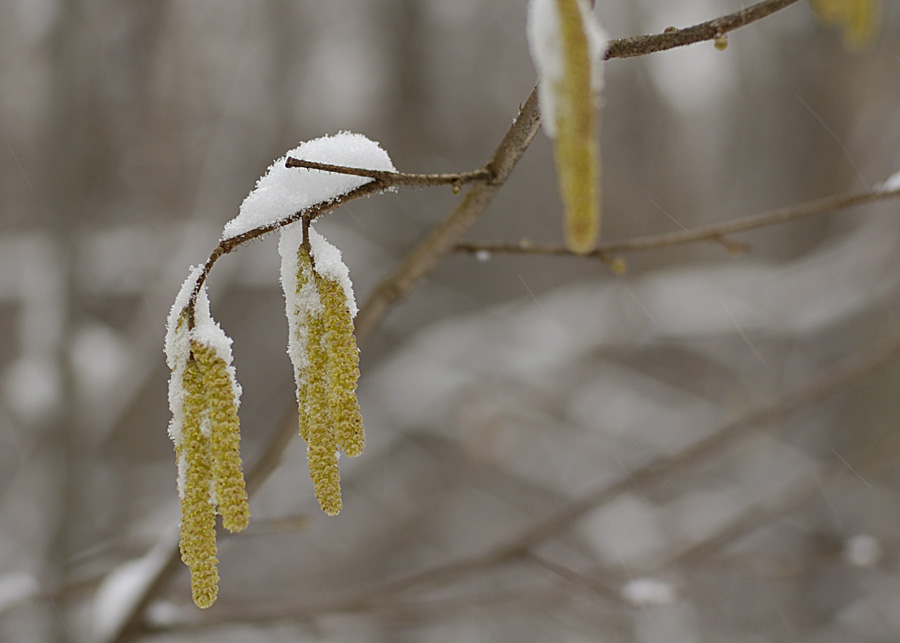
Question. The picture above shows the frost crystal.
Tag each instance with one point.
(283, 191)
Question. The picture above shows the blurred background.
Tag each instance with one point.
(702, 450)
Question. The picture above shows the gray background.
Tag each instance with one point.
(499, 392)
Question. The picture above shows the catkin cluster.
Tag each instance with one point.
(326, 373)
(211, 479)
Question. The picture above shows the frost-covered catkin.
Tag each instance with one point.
(320, 307)
(343, 368)
(204, 398)
(321, 446)
(198, 512)
(224, 438)
(305, 290)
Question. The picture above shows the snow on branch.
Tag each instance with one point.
(283, 191)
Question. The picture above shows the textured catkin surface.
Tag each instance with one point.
(198, 513)
(343, 368)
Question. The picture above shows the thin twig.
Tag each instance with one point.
(394, 179)
(425, 257)
(712, 232)
(649, 475)
(711, 30)
(442, 240)
(575, 578)
(231, 244)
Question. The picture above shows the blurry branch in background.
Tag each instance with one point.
(644, 479)
(713, 232)
(441, 242)
(444, 239)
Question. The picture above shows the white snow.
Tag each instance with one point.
(283, 191)
(645, 592)
(862, 550)
(208, 332)
(124, 587)
(17, 587)
(178, 350)
(546, 45)
(297, 305)
(892, 183)
(329, 264)
(177, 342)
(32, 387)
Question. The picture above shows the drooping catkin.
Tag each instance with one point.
(305, 283)
(321, 448)
(343, 368)
(320, 308)
(224, 438)
(198, 513)
(577, 157)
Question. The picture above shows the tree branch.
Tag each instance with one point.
(443, 239)
(394, 179)
(711, 30)
(428, 254)
(712, 232)
(654, 473)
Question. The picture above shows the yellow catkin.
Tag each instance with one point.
(198, 515)
(343, 368)
(321, 449)
(857, 18)
(304, 275)
(224, 438)
(575, 146)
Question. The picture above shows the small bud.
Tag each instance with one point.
(720, 42)
(617, 265)
(457, 188)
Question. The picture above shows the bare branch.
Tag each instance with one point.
(394, 179)
(712, 232)
(653, 473)
(711, 30)
(444, 238)
(422, 260)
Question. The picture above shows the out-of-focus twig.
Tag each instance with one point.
(437, 245)
(643, 479)
(658, 469)
(712, 232)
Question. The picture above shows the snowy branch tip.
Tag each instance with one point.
(283, 191)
